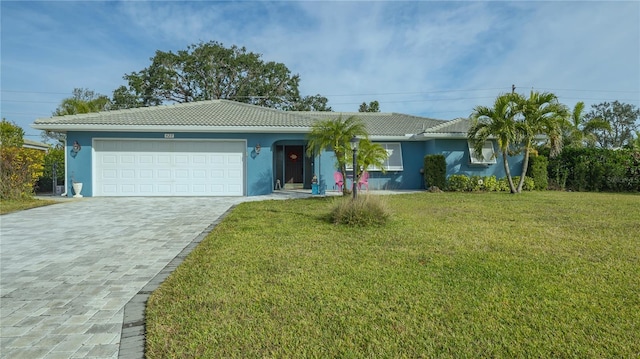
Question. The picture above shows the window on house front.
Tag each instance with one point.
(392, 163)
(487, 157)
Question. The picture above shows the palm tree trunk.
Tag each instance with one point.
(525, 164)
(505, 162)
(343, 169)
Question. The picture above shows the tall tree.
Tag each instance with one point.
(496, 122)
(621, 118)
(335, 135)
(208, 71)
(541, 114)
(124, 97)
(373, 106)
(83, 101)
(517, 122)
(580, 132)
(310, 103)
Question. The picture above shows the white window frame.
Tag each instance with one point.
(391, 148)
(488, 154)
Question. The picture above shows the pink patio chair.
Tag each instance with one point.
(364, 180)
(337, 177)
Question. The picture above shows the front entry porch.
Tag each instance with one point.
(293, 169)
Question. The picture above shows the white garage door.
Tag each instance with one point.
(168, 168)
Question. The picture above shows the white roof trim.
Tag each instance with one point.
(172, 128)
(433, 136)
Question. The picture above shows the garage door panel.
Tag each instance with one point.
(163, 159)
(109, 159)
(145, 159)
(165, 168)
(164, 174)
(199, 174)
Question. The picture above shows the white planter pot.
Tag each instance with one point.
(77, 188)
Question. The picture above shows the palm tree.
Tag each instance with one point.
(496, 122)
(371, 155)
(335, 135)
(581, 130)
(541, 114)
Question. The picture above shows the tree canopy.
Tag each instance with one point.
(373, 106)
(621, 118)
(83, 101)
(208, 71)
(579, 131)
(310, 103)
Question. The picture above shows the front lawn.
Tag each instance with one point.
(540, 274)
(14, 206)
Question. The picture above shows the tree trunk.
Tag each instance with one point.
(505, 162)
(525, 164)
(343, 169)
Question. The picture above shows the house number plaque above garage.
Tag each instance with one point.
(168, 135)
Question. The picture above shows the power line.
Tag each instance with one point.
(381, 93)
(29, 101)
(37, 92)
(619, 91)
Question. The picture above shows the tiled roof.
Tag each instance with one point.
(225, 113)
(383, 124)
(201, 113)
(459, 125)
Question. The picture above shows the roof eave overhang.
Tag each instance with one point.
(434, 136)
(171, 128)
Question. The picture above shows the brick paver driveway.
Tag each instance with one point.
(67, 270)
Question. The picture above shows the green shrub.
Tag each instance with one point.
(596, 169)
(458, 183)
(503, 185)
(365, 210)
(490, 183)
(435, 171)
(476, 184)
(20, 167)
(528, 184)
(537, 170)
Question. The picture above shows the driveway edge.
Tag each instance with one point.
(132, 336)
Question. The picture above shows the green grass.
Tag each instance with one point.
(14, 206)
(453, 275)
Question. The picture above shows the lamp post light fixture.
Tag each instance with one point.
(354, 141)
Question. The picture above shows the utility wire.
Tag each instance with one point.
(381, 93)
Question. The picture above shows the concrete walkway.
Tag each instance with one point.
(67, 270)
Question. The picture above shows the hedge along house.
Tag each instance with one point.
(227, 148)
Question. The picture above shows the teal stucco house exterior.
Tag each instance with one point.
(227, 148)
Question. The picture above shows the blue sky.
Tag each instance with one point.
(425, 58)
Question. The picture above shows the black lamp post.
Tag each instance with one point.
(354, 141)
